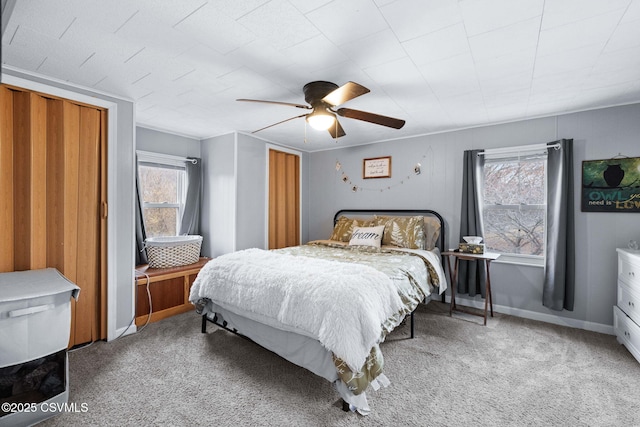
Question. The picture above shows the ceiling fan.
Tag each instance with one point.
(322, 98)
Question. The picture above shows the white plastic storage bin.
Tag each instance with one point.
(35, 322)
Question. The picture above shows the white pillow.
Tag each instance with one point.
(367, 236)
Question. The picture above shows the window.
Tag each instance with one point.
(514, 204)
(163, 191)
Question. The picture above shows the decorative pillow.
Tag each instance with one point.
(367, 236)
(342, 230)
(344, 227)
(403, 231)
(431, 232)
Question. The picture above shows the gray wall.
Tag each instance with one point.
(251, 193)
(217, 219)
(166, 143)
(233, 211)
(234, 208)
(517, 289)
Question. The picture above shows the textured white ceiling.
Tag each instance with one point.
(438, 64)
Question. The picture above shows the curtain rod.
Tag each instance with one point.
(151, 154)
(516, 149)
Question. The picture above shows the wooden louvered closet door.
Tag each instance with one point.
(284, 199)
(53, 193)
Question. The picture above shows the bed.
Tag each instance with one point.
(327, 305)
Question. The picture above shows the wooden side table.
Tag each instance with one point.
(453, 274)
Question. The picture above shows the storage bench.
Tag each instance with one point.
(169, 288)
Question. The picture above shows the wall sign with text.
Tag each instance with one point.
(379, 167)
(611, 185)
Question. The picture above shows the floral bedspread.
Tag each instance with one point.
(413, 273)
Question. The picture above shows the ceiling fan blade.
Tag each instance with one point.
(371, 118)
(291, 104)
(345, 93)
(336, 130)
(283, 121)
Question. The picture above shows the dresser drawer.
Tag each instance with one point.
(629, 269)
(629, 301)
(627, 331)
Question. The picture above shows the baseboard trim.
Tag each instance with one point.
(532, 315)
(123, 332)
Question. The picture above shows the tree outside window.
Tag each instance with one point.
(163, 191)
(514, 205)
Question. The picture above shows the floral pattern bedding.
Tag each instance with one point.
(414, 274)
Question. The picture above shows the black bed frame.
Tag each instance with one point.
(403, 212)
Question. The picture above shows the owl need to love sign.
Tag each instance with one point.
(611, 185)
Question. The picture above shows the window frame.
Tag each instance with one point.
(522, 153)
(157, 160)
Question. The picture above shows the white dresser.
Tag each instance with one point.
(626, 312)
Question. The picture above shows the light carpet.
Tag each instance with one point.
(455, 372)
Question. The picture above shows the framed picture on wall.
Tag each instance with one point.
(611, 185)
(378, 167)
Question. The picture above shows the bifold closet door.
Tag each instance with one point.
(53, 191)
(284, 199)
(7, 242)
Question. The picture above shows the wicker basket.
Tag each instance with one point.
(174, 251)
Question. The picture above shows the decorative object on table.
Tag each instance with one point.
(633, 245)
(611, 185)
(378, 167)
(471, 245)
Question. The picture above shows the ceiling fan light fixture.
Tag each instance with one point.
(322, 97)
(321, 120)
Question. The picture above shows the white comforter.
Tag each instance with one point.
(323, 298)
